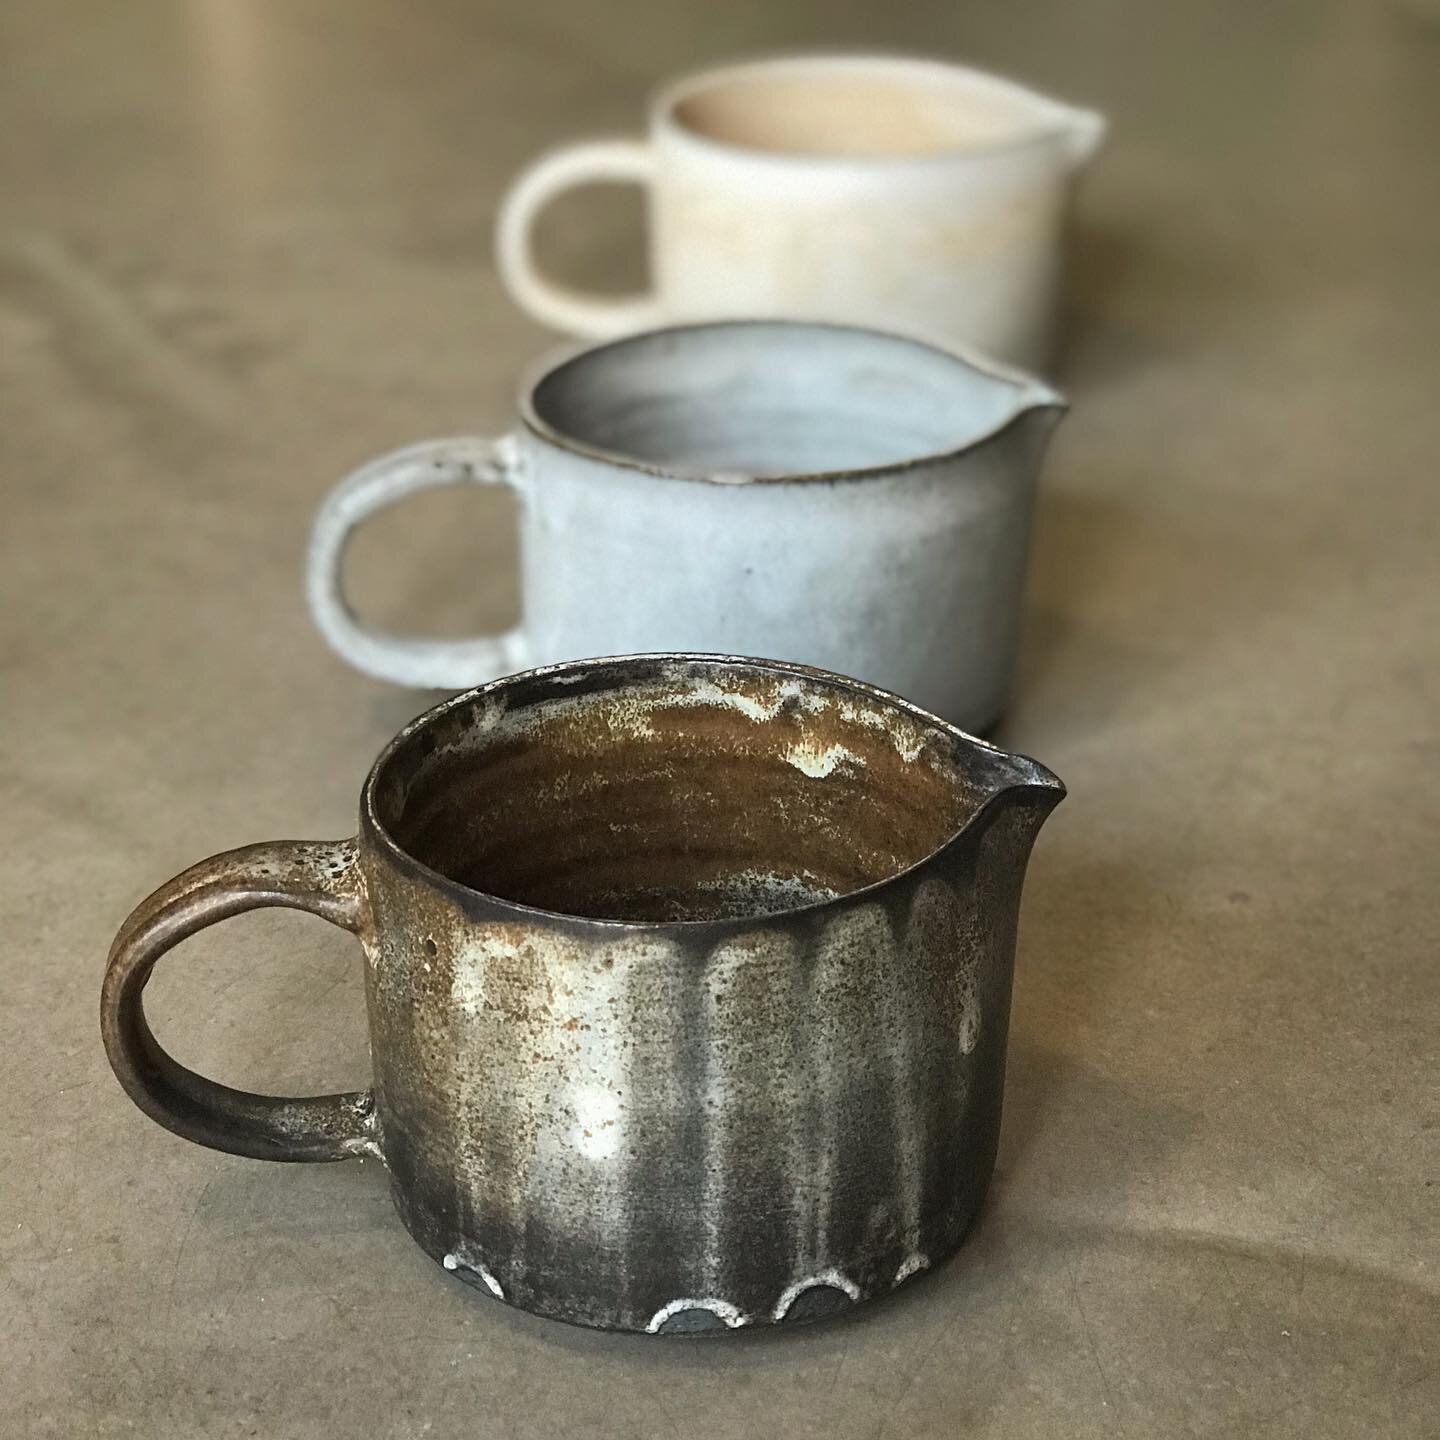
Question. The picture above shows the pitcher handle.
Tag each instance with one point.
(592, 317)
(405, 659)
(320, 877)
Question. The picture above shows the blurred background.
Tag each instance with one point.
(245, 244)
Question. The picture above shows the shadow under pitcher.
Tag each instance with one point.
(688, 982)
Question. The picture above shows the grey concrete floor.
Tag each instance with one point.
(244, 245)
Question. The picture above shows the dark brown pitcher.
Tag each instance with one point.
(688, 981)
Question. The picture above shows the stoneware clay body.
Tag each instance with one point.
(688, 982)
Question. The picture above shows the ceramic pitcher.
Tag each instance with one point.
(902, 193)
(688, 981)
(824, 494)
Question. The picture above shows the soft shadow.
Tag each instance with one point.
(1124, 598)
(1074, 974)
(1045, 1323)
(1076, 670)
(1144, 292)
(1099, 341)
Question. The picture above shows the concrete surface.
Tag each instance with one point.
(245, 245)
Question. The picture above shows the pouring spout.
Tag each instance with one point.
(1084, 135)
(1012, 394)
(1035, 410)
(1034, 789)
(1020, 792)
(1038, 399)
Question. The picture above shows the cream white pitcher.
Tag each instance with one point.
(907, 194)
(805, 492)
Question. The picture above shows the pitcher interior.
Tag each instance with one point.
(771, 400)
(858, 108)
(675, 791)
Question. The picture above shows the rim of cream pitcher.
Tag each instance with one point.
(1056, 119)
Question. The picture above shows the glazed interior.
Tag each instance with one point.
(649, 790)
(771, 399)
(860, 109)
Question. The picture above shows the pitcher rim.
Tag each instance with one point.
(1041, 777)
(1031, 393)
(1059, 120)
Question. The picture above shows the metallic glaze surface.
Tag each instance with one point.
(752, 1111)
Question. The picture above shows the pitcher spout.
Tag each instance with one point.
(1033, 411)
(1037, 402)
(1077, 131)
(1084, 133)
(1033, 791)
(1018, 795)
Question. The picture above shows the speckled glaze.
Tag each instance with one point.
(688, 981)
(823, 494)
(905, 193)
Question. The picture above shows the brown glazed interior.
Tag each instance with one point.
(674, 790)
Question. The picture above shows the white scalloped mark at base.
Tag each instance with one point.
(911, 1266)
(456, 1262)
(831, 1278)
(721, 1309)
